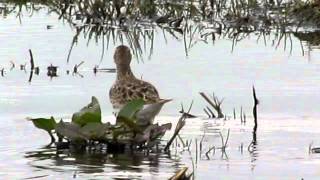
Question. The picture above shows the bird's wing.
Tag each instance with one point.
(114, 96)
(145, 91)
(122, 93)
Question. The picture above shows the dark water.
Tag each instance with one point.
(286, 77)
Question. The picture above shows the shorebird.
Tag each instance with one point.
(127, 88)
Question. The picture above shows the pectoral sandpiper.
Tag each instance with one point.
(127, 87)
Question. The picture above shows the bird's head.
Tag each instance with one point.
(122, 56)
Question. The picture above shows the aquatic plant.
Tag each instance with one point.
(86, 128)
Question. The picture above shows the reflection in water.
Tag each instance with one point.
(105, 23)
(90, 162)
(253, 150)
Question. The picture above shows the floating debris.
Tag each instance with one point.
(52, 71)
(37, 70)
(75, 68)
(23, 67)
(181, 175)
(95, 69)
(49, 27)
(315, 150)
(108, 70)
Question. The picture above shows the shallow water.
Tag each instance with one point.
(287, 86)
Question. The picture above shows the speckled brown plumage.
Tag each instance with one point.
(127, 87)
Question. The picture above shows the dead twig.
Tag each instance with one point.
(2, 72)
(256, 102)
(211, 112)
(179, 126)
(31, 60)
(216, 103)
(12, 65)
(185, 113)
(210, 149)
(181, 174)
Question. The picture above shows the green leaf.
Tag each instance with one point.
(95, 131)
(145, 135)
(129, 123)
(70, 130)
(126, 115)
(159, 131)
(129, 110)
(88, 114)
(44, 123)
(152, 132)
(122, 134)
